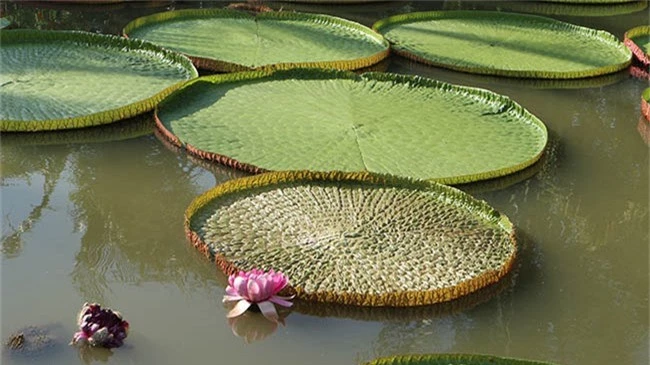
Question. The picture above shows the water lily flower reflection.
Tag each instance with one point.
(259, 288)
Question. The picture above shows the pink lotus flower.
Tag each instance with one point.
(259, 288)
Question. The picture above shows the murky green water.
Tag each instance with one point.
(97, 216)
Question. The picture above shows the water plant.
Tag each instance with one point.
(353, 238)
(256, 288)
(266, 39)
(325, 120)
(100, 327)
(504, 44)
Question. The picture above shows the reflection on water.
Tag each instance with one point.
(643, 127)
(99, 217)
(119, 242)
(252, 326)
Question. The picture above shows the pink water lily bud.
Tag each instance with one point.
(100, 327)
(259, 288)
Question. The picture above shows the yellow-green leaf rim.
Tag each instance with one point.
(228, 40)
(54, 80)
(324, 120)
(355, 238)
(452, 359)
(504, 44)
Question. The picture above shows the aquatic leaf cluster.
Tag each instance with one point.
(355, 238)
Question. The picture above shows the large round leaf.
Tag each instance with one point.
(637, 40)
(333, 120)
(59, 80)
(452, 359)
(355, 238)
(505, 44)
(553, 8)
(228, 40)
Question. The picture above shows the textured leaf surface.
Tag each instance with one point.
(355, 238)
(452, 359)
(59, 80)
(239, 39)
(505, 44)
(327, 120)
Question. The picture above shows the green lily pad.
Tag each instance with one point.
(504, 44)
(334, 120)
(229, 40)
(452, 359)
(554, 8)
(637, 40)
(355, 238)
(62, 79)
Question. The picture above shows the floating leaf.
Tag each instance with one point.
(637, 40)
(355, 238)
(553, 8)
(63, 79)
(504, 44)
(333, 120)
(229, 40)
(452, 359)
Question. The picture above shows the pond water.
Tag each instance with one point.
(97, 215)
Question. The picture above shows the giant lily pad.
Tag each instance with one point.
(553, 8)
(504, 44)
(333, 120)
(59, 80)
(637, 40)
(355, 238)
(452, 359)
(228, 40)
